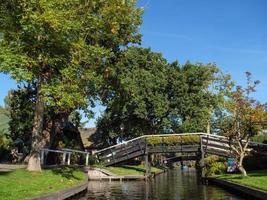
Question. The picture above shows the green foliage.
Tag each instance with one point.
(214, 166)
(245, 118)
(173, 140)
(147, 95)
(4, 119)
(92, 160)
(191, 99)
(66, 48)
(154, 140)
(64, 44)
(13, 185)
(260, 138)
(21, 104)
(5, 141)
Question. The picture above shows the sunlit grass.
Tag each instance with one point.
(21, 183)
(256, 179)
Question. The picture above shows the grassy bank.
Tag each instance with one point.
(131, 170)
(255, 179)
(20, 183)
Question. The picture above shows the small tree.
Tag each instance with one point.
(62, 46)
(243, 120)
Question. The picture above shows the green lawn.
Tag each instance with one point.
(20, 184)
(130, 170)
(256, 179)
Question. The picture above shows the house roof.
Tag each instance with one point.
(90, 137)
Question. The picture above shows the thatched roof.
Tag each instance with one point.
(90, 137)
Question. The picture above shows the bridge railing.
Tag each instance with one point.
(155, 143)
(220, 145)
(67, 154)
(184, 142)
(147, 136)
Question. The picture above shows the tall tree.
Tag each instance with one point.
(245, 118)
(193, 95)
(20, 105)
(147, 95)
(134, 95)
(62, 46)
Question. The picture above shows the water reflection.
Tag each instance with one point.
(174, 185)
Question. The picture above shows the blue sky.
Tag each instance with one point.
(230, 33)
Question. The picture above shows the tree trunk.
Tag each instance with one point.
(240, 165)
(34, 160)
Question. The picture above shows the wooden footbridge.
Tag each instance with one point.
(186, 143)
(190, 146)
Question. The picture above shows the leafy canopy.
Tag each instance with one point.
(64, 44)
(147, 95)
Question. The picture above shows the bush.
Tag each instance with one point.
(214, 165)
(173, 140)
(4, 146)
(260, 138)
(92, 160)
(154, 140)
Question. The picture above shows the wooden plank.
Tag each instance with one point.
(123, 152)
(171, 149)
(121, 159)
(216, 145)
(181, 158)
(129, 151)
(219, 153)
(221, 140)
(124, 146)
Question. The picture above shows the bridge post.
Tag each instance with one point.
(87, 159)
(147, 161)
(202, 160)
(42, 157)
(69, 154)
(148, 164)
(64, 158)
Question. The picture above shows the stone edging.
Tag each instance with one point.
(241, 189)
(64, 194)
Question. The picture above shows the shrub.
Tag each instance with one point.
(260, 138)
(154, 140)
(173, 140)
(214, 165)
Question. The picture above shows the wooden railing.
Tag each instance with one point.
(199, 143)
(66, 155)
(143, 145)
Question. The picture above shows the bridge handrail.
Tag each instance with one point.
(224, 137)
(76, 151)
(147, 136)
(64, 151)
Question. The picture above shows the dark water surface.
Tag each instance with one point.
(174, 185)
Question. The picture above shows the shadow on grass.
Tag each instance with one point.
(133, 168)
(4, 173)
(66, 172)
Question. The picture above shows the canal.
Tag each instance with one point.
(174, 185)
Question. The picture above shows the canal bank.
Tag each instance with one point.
(174, 184)
(243, 191)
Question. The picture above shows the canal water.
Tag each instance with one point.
(173, 185)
